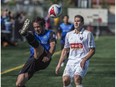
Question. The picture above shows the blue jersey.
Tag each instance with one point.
(64, 28)
(6, 23)
(44, 40)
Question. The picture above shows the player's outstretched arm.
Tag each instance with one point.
(51, 51)
(63, 54)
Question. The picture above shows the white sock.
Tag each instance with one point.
(68, 85)
(79, 85)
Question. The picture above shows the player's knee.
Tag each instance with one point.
(18, 84)
(77, 79)
(20, 80)
(66, 80)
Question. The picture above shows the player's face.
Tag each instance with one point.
(38, 28)
(65, 19)
(77, 23)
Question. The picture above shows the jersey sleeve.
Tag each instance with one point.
(66, 45)
(52, 37)
(91, 42)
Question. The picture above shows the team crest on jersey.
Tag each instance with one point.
(44, 40)
(81, 38)
(45, 37)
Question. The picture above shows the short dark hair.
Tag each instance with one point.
(65, 16)
(79, 16)
(39, 20)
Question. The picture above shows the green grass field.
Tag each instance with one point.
(101, 72)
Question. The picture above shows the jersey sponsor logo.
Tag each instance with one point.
(76, 45)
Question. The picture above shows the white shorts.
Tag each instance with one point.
(74, 68)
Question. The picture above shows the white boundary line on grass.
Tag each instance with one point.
(20, 66)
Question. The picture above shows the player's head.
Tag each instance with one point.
(65, 18)
(39, 25)
(78, 22)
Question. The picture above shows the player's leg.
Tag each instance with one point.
(31, 39)
(38, 51)
(67, 76)
(31, 65)
(78, 76)
(66, 81)
(80, 73)
(24, 76)
(28, 34)
(26, 72)
(21, 80)
(38, 48)
(78, 81)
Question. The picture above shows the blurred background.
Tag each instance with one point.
(99, 16)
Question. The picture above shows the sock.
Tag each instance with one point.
(68, 85)
(79, 85)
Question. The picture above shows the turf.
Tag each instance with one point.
(101, 72)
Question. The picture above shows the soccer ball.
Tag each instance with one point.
(55, 10)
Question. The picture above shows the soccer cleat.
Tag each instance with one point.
(25, 27)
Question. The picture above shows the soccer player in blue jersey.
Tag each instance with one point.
(63, 29)
(42, 44)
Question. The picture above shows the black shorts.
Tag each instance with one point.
(33, 65)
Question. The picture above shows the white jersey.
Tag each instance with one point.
(79, 44)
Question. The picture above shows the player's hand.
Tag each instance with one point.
(57, 69)
(45, 59)
(82, 64)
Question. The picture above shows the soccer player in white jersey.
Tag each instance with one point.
(81, 47)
